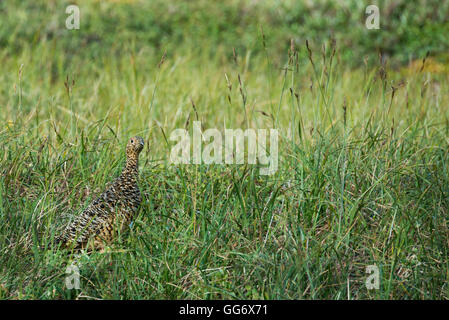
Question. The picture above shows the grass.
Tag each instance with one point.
(362, 179)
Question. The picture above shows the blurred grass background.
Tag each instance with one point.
(408, 29)
(363, 171)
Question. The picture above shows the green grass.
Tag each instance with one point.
(363, 170)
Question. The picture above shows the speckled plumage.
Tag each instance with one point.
(112, 210)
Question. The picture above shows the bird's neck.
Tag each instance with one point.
(131, 168)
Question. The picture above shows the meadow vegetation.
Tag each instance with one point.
(363, 152)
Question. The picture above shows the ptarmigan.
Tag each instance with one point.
(112, 210)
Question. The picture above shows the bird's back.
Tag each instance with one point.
(108, 213)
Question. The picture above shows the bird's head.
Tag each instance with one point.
(134, 146)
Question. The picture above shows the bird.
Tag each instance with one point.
(112, 210)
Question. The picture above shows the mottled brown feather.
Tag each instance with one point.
(112, 210)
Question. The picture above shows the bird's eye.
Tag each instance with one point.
(132, 141)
